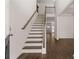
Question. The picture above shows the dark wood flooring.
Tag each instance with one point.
(61, 49)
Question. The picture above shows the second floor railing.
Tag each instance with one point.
(48, 10)
(44, 35)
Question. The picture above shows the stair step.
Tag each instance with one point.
(50, 15)
(32, 47)
(38, 24)
(33, 42)
(37, 27)
(39, 19)
(35, 37)
(35, 33)
(36, 30)
(31, 39)
(31, 50)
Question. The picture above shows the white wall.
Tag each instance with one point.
(41, 9)
(20, 12)
(61, 5)
(7, 23)
(43, 3)
(65, 27)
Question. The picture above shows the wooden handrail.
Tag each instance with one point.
(7, 39)
(28, 21)
(44, 29)
(50, 7)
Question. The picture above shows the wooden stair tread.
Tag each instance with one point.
(34, 37)
(37, 39)
(32, 47)
(36, 30)
(33, 42)
(37, 25)
(35, 33)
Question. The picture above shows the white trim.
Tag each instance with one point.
(31, 51)
(33, 44)
(43, 50)
(57, 38)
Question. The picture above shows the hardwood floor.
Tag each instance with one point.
(61, 49)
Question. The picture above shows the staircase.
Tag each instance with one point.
(34, 41)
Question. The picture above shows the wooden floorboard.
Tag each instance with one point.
(61, 49)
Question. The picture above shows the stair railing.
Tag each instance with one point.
(44, 36)
(45, 26)
(26, 24)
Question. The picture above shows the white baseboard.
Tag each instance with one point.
(57, 38)
(43, 50)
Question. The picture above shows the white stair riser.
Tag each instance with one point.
(31, 51)
(34, 39)
(35, 36)
(35, 32)
(37, 29)
(36, 26)
(33, 44)
(38, 22)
